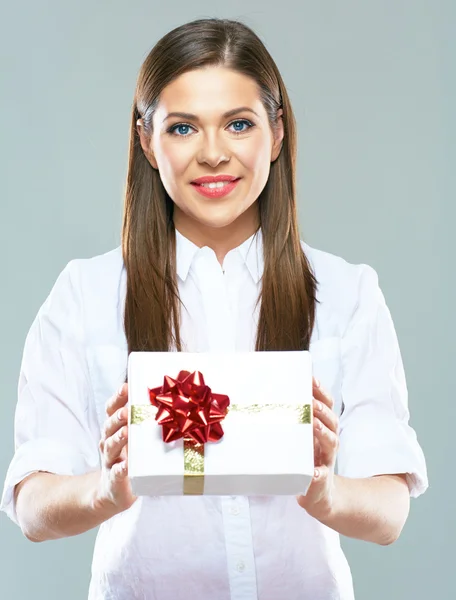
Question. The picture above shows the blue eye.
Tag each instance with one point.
(181, 128)
(241, 122)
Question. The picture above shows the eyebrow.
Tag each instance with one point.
(191, 117)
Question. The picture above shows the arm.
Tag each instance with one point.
(373, 509)
(380, 463)
(62, 479)
(50, 506)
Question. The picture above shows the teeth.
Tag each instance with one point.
(218, 184)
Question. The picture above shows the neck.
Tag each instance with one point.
(220, 239)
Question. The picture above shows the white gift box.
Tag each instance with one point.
(267, 446)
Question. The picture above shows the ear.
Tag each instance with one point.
(278, 133)
(146, 143)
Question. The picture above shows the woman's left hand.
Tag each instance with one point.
(319, 500)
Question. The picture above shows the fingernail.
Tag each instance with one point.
(316, 474)
(319, 406)
(317, 424)
(121, 435)
(317, 382)
(119, 415)
(120, 392)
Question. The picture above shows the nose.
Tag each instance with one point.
(212, 151)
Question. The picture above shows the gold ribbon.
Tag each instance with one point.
(301, 413)
(193, 468)
(142, 412)
(194, 453)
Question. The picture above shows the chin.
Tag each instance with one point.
(216, 222)
(216, 216)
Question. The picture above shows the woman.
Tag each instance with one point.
(211, 260)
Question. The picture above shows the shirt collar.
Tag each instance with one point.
(251, 252)
(185, 253)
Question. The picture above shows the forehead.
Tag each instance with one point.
(209, 91)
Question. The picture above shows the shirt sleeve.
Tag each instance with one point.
(375, 435)
(55, 428)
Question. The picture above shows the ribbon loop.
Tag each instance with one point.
(188, 409)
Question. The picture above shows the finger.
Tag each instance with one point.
(320, 474)
(114, 423)
(117, 400)
(329, 441)
(318, 482)
(113, 446)
(326, 415)
(321, 394)
(119, 471)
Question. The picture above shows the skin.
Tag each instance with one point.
(210, 145)
(50, 506)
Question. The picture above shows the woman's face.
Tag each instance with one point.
(224, 131)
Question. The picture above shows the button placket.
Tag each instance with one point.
(217, 290)
(239, 547)
(212, 284)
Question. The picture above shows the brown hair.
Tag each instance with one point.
(288, 287)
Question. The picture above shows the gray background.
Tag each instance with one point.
(373, 88)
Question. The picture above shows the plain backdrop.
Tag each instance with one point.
(373, 89)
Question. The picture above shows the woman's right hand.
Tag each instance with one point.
(114, 492)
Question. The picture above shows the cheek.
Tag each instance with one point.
(256, 160)
(255, 156)
(172, 161)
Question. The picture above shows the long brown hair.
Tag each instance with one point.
(288, 287)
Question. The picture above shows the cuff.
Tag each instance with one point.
(42, 454)
(389, 450)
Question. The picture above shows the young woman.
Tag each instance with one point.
(211, 259)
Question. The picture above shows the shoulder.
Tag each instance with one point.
(104, 265)
(96, 272)
(92, 285)
(341, 286)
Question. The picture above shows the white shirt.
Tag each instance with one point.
(229, 548)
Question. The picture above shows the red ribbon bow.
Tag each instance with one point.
(187, 408)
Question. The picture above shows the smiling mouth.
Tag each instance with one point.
(216, 189)
(215, 185)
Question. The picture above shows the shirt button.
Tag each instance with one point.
(234, 510)
(240, 566)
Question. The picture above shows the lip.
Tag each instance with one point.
(217, 192)
(214, 179)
